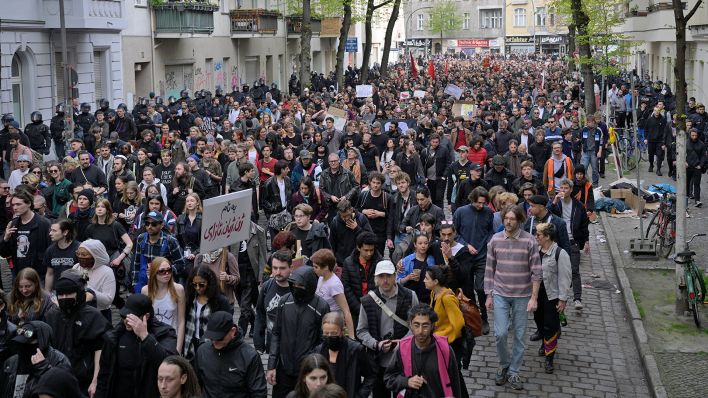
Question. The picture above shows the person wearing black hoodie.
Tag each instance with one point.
(35, 356)
(57, 383)
(83, 215)
(296, 332)
(78, 329)
(133, 350)
(7, 332)
(228, 367)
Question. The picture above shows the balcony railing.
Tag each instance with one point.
(185, 18)
(254, 21)
(294, 25)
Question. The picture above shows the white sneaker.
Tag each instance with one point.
(578, 304)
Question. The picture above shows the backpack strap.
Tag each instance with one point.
(387, 310)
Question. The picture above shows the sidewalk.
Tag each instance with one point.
(673, 350)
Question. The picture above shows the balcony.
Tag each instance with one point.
(101, 15)
(249, 22)
(184, 19)
(294, 25)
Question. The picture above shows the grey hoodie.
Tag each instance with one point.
(101, 278)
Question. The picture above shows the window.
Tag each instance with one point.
(540, 16)
(16, 83)
(466, 21)
(421, 21)
(100, 79)
(491, 19)
(140, 3)
(519, 17)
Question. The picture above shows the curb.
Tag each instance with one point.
(651, 370)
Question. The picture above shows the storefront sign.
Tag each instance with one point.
(552, 40)
(518, 40)
(472, 43)
(419, 43)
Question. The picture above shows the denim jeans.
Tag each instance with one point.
(510, 310)
(590, 158)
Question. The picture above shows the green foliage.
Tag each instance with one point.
(444, 18)
(328, 8)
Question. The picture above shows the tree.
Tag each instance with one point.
(444, 18)
(681, 21)
(371, 7)
(343, 34)
(306, 44)
(582, 40)
(389, 35)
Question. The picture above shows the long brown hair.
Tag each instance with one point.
(19, 302)
(132, 185)
(152, 280)
(109, 212)
(310, 363)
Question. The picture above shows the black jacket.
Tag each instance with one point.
(540, 153)
(656, 129)
(53, 359)
(413, 215)
(441, 158)
(579, 221)
(464, 190)
(39, 137)
(353, 364)
(695, 153)
(396, 214)
(353, 274)
(270, 198)
(456, 174)
(297, 330)
(503, 178)
(342, 239)
(233, 372)
(158, 345)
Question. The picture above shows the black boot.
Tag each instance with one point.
(548, 365)
(536, 336)
(541, 350)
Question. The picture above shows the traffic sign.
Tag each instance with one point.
(352, 45)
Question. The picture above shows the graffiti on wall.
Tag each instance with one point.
(235, 82)
(203, 79)
(219, 76)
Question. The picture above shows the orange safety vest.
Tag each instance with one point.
(568, 172)
(587, 191)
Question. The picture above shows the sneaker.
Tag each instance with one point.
(578, 304)
(658, 172)
(515, 382)
(501, 377)
(536, 336)
(687, 214)
(485, 327)
(651, 168)
(699, 204)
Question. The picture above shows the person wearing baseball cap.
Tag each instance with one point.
(133, 350)
(468, 185)
(381, 329)
(23, 163)
(458, 172)
(226, 350)
(155, 242)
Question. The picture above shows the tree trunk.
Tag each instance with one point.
(389, 36)
(571, 48)
(367, 46)
(306, 44)
(343, 34)
(581, 20)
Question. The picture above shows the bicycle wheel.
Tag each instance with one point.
(699, 284)
(667, 238)
(653, 224)
(696, 314)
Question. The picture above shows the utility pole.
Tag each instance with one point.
(64, 55)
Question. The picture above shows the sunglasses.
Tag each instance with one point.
(26, 333)
(199, 285)
(153, 224)
(166, 271)
(53, 171)
(39, 173)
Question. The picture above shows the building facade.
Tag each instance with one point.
(31, 67)
(482, 27)
(533, 26)
(651, 26)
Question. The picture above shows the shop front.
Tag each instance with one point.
(519, 44)
(552, 44)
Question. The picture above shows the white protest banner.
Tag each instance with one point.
(419, 94)
(339, 116)
(453, 90)
(364, 90)
(404, 95)
(226, 220)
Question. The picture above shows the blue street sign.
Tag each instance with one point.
(352, 45)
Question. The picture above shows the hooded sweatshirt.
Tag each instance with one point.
(297, 330)
(58, 383)
(101, 278)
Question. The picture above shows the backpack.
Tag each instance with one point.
(470, 311)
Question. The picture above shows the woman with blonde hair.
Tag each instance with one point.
(188, 227)
(28, 301)
(58, 192)
(126, 208)
(167, 296)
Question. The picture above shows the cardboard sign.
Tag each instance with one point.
(364, 90)
(339, 116)
(453, 90)
(419, 94)
(464, 109)
(226, 220)
(404, 95)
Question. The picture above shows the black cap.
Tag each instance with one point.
(25, 334)
(538, 200)
(136, 304)
(220, 323)
(68, 284)
(475, 166)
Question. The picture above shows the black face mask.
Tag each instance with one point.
(27, 350)
(334, 343)
(66, 305)
(299, 294)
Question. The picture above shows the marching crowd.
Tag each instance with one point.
(381, 243)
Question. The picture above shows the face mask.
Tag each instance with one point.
(86, 262)
(27, 350)
(299, 294)
(334, 343)
(66, 305)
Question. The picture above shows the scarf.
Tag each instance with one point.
(211, 257)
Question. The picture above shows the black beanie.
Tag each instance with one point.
(538, 200)
(88, 193)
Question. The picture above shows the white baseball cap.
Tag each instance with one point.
(385, 267)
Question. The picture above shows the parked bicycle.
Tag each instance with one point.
(662, 226)
(693, 282)
(627, 148)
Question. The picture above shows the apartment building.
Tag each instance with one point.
(533, 26)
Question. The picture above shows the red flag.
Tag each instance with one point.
(414, 68)
(431, 69)
(445, 69)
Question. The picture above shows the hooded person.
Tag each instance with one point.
(133, 351)
(78, 328)
(7, 332)
(94, 261)
(297, 330)
(35, 356)
(83, 215)
(57, 383)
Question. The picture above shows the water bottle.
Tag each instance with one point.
(563, 319)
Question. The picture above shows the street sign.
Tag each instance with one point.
(352, 45)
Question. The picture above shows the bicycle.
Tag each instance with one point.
(627, 148)
(663, 223)
(693, 281)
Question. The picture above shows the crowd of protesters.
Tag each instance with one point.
(365, 234)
